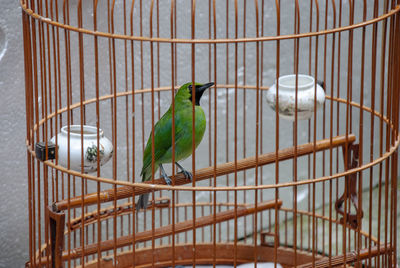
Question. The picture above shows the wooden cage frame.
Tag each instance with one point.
(56, 218)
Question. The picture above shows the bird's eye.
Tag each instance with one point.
(190, 87)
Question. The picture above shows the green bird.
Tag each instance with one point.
(183, 136)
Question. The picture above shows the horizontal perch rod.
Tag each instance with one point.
(178, 228)
(109, 212)
(126, 208)
(205, 173)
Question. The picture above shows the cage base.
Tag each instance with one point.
(203, 254)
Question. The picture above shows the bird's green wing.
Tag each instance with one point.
(162, 143)
(163, 137)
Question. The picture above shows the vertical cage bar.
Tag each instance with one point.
(277, 74)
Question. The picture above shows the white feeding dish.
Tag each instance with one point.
(89, 148)
(307, 92)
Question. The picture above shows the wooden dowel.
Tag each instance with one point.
(205, 173)
(178, 228)
(109, 212)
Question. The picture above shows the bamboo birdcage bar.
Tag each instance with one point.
(320, 192)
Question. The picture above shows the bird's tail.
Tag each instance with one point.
(142, 202)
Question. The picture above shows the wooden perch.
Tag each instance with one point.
(206, 173)
(168, 230)
(110, 212)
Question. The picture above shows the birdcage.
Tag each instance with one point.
(298, 164)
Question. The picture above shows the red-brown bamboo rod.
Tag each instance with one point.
(227, 112)
(310, 42)
(179, 228)
(330, 227)
(153, 168)
(133, 219)
(193, 74)
(261, 151)
(296, 44)
(173, 76)
(205, 173)
(361, 131)
(276, 162)
(338, 79)
(314, 222)
(257, 156)
(214, 174)
(324, 122)
(235, 220)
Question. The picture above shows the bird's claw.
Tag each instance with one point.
(167, 180)
(187, 174)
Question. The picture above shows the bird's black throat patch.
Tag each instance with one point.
(199, 89)
(198, 95)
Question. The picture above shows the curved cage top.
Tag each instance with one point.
(217, 21)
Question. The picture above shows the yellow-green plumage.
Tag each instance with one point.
(183, 133)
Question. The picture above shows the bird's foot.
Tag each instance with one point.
(167, 179)
(188, 175)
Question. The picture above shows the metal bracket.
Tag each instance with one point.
(350, 191)
(44, 153)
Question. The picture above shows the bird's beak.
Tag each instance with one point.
(200, 90)
(205, 86)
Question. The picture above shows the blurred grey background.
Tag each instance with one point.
(13, 183)
(13, 190)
